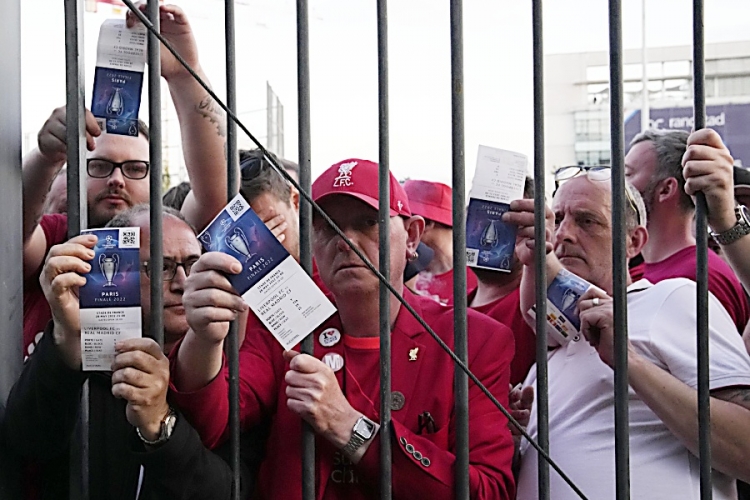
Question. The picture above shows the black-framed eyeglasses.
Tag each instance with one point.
(170, 268)
(101, 169)
(595, 173)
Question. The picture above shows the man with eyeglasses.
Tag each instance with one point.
(146, 449)
(654, 167)
(661, 361)
(118, 166)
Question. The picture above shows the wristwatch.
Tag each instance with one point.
(361, 433)
(737, 231)
(167, 426)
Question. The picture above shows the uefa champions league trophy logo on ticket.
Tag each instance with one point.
(237, 241)
(116, 104)
(109, 267)
(489, 235)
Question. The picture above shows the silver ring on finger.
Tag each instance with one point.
(595, 301)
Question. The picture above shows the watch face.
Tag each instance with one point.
(364, 428)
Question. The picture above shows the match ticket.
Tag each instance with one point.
(499, 179)
(110, 301)
(563, 294)
(273, 284)
(118, 77)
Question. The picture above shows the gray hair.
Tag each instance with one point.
(670, 147)
(126, 217)
(631, 217)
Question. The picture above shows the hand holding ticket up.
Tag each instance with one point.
(273, 284)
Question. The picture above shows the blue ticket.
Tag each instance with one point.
(118, 77)
(563, 294)
(110, 301)
(276, 288)
(490, 242)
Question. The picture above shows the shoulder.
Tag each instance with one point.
(55, 227)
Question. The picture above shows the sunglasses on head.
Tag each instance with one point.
(594, 173)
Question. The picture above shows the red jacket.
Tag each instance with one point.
(427, 385)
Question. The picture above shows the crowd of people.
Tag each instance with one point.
(161, 415)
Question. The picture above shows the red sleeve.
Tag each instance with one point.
(490, 441)
(726, 287)
(55, 228)
(207, 409)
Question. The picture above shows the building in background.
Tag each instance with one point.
(577, 110)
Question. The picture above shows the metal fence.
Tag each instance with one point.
(10, 141)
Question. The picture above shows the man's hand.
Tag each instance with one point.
(52, 138)
(521, 213)
(276, 223)
(314, 394)
(520, 400)
(708, 167)
(140, 375)
(176, 29)
(60, 280)
(597, 324)
(209, 299)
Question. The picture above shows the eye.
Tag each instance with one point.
(371, 222)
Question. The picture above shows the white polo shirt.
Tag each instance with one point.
(662, 327)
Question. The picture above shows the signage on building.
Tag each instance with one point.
(731, 121)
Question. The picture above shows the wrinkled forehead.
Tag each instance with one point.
(583, 193)
(119, 148)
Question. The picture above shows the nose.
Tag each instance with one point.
(177, 284)
(116, 179)
(565, 232)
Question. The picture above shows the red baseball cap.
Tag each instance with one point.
(359, 178)
(431, 200)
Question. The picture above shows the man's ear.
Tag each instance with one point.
(294, 198)
(668, 188)
(636, 240)
(414, 226)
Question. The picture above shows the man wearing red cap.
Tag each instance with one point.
(433, 201)
(337, 389)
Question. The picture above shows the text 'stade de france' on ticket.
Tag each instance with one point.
(498, 180)
(118, 77)
(110, 301)
(272, 283)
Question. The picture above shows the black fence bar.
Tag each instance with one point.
(461, 380)
(156, 256)
(619, 264)
(77, 209)
(233, 345)
(384, 197)
(11, 277)
(305, 215)
(701, 237)
(540, 260)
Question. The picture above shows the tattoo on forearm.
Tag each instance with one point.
(737, 395)
(211, 111)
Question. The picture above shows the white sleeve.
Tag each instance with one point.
(673, 335)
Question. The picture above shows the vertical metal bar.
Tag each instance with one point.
(384, 197)
(645, 122)
(233, 346)
(701, 236)
(76, 122)
(620, 270)
(154, 152)
(540, 260)
(461, 380)
(77, 209)
(11, 277)
(305, 216)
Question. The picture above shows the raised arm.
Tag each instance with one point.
(521, 213)
(202, 122)
(40, 167)
(708, 168)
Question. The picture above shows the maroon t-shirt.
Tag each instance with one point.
(440, 287)
(36, 311)
(507, 310)
(722, 281)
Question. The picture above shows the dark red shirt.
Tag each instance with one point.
(36, 311)
(722, 281)
(507, 310)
